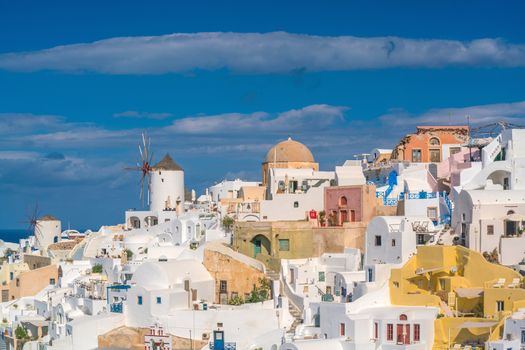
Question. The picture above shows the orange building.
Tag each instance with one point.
(431, 144)
(29, 283)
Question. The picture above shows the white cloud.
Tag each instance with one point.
(275, 52)
(143, 115)
(482, 114)
(313, 117)
(19, 123)
(17, 155)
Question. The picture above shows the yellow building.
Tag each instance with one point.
(288, 154)
(473, 295)
(9, 272)
(271, 241)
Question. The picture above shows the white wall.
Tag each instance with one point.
(282, 207)
(167, 187)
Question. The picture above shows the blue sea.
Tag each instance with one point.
(13, 235)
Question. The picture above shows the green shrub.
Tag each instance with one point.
(227, 223)
(21, 333)
(261, 292)
(129, 254)
(97, 268)
(236, 300)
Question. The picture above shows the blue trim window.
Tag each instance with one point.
(139, 300)
(159, 300)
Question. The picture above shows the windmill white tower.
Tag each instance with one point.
(48, 230)
(166, 185)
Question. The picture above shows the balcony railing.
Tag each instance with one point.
(117, 308)
(227, 346)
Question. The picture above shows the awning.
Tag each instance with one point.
(515, 217)
(469, 292)
(37, 323)
(421, 271)
(472, 324)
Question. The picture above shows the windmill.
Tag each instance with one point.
(34, 225)
(144, 165)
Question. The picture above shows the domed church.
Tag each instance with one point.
(288, 154)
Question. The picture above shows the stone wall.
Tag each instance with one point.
(240, 278)
(133, 338)
(36, 261)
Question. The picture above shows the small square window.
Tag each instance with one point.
(490, 229)
(432, 212)
(52, 281)
(159, 300)
(321, 276)
(378, 241)
(500, 305)
(296, 204)
(416, 155)
(139, 300)
(223, 286)
(284, 245)
(393, 243)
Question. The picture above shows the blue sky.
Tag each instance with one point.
(217, 83)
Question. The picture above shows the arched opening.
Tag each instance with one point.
(500, 177)
(134, 222)
(434, 141)
(514, 223)
(343, 201)
(151, 221)
(261, 245)
(434, 151)
(403, 317)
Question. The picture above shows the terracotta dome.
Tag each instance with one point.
(289, 151)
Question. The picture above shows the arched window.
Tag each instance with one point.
(342, 201)
(403, 317)
(434, 141)
(510, 212)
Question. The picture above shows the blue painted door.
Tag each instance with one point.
(256, 247)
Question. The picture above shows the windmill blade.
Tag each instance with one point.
(142, 190)
(141, 155)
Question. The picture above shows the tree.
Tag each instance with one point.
(261, 292)
(129, 254)
(21, 333)
(97, 268)
(227, 223)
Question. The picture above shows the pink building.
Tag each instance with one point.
(349, 204)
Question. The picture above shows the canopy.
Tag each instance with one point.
(515, 217)
(472, 324)
(469, 292)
